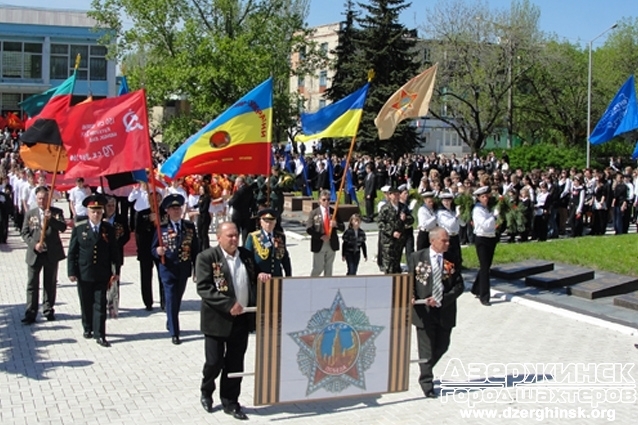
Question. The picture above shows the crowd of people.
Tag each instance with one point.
(430, 206)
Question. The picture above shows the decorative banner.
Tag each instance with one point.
(323, 338)
(106, 136)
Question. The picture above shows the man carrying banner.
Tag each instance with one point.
(42, 253)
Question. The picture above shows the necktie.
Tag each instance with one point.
(95, 229)
(177, 228)
(437, 285)
(326, 222)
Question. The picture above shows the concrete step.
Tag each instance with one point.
(521, 269)
(563, 276)
(627, 300)
(604, 285)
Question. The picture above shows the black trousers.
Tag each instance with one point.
(93, 306)
(432, 342)
(50, 281)
(454, 251)
(226, 355)
(146, 277)
(369, 208)
(485, 248)
(422, 240)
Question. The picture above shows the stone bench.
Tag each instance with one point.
(295, 203)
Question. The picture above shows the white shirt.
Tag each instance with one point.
(76, 196)
(140, 197)
(239, 275)
(484, 222)
(447, 219)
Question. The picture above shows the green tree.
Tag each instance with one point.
(483, 55)
(387, 47)
(208, 52)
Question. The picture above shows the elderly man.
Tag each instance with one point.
(437, 285)
(43, 253)
(227, 283)
(322, 226)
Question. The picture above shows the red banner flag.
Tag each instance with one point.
(106, 136)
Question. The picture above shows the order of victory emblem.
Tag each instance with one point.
(336, 348)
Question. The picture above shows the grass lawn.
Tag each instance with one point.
(616, 254)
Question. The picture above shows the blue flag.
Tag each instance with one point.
(307, 189)
(333, 191)
(620, 117)
(350, 189)
(290, 165)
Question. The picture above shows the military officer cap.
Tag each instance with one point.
(385, 189)
(94, 201)
(445, 195)
(267, 214)
(172, 200)
(427, 194)
(482, 190)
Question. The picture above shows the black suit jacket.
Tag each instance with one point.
(315, 228)
(215, 287)
(322, 180)
(93, 257)
(444, 316)
(370, 186)
(242, 202)
(32, 230)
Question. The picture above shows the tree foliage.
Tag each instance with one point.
(208, 52)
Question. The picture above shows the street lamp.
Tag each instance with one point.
(589, 88)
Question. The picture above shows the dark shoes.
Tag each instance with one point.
(486, 303)
(50, 317)
(236, 412)
(175, 340)
(207, 402)
(431, 394)
(87, 335)
(149, 308)
(28, 320)
(103, 342)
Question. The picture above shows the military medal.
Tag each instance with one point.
(422, 272)
(218, 278)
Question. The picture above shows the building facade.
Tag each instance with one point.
(38, 50)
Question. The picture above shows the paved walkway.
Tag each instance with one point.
(50, 375)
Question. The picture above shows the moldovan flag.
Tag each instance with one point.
(106, 136)
(340, 119)
(237, 141)
(410, 101)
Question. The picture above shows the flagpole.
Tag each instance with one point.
(354, 139)
(57, 165)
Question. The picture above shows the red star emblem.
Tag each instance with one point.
(405, 101)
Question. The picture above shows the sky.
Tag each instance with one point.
(577, 21)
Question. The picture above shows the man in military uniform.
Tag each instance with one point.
(94, 262)
(43, 254)
(122, 235)
(394, 218)
(268, 246)
(179, 248)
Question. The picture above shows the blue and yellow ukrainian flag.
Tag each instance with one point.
(340, 119)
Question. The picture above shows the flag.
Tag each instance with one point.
(410, 101)
(289, 164)
(238, 140)
(14, 122)
(3, 123)
(340, 119)
(127, 178)
(620, 117)
(306, 187)
(350, 189)
(333, 190)
(107, 136)
(43, 128)
(42, 156)
(34, 105)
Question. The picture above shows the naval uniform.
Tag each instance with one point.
(448, 220)
(269, 253)
(485, 242)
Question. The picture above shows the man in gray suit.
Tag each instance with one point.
(227, 283)
(45, 254)
(437, 285)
